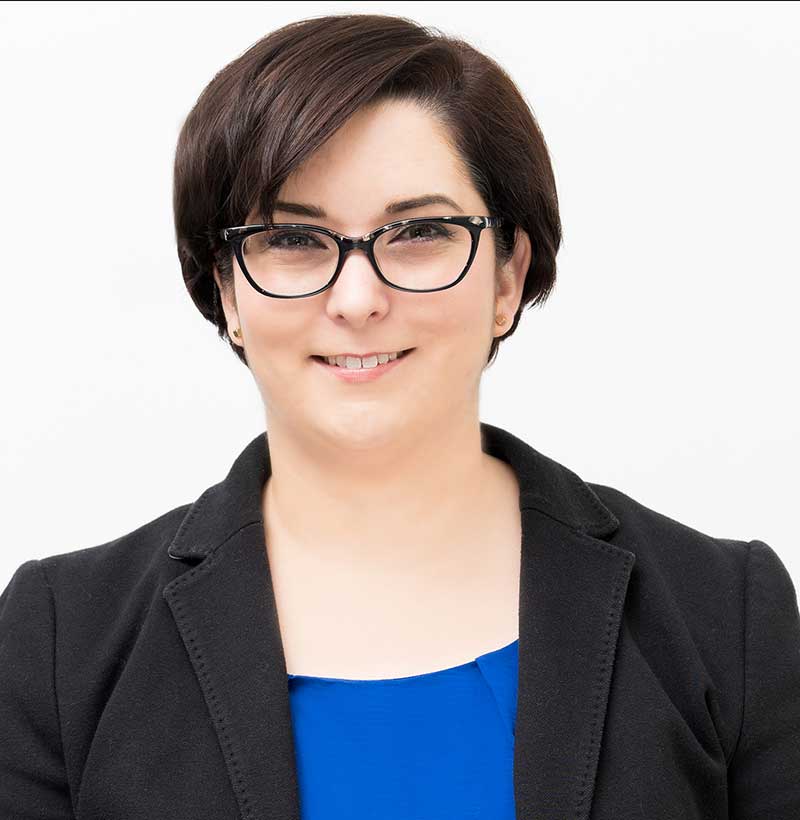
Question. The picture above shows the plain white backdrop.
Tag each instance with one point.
(665, 363)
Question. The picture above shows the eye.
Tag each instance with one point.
(290, 239)
(422, 231)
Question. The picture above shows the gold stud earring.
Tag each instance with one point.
(237, 333)
(500, 319)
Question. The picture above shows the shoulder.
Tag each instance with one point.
(665, 544)
(686, 555)
(138, 552)
(706, 579)
(704, 574)
(108, 582)
(718, 594)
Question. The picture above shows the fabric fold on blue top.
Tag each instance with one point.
(429, 747)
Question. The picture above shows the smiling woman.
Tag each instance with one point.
(387, 607)
(450, 115)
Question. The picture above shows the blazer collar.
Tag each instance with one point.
(235, 502)
(572, 590)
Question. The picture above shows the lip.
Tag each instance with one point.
(368, 374)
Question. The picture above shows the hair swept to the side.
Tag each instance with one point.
(267, 111)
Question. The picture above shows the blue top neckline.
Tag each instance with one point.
(407, 677)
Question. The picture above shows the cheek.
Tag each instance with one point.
(274, 326)
(461, 341)
(467, 315)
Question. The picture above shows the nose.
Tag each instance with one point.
(357, 291)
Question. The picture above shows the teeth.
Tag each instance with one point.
(356, 363)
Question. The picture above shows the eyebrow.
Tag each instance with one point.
(395, 207)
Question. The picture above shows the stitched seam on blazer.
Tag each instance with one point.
(51, 600)
(601, 686)
(603, 680)
(205, 565)
(219, 716)
(745, 590)
(597, 543)
(193, 511)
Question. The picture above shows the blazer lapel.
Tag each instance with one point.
(572, 589)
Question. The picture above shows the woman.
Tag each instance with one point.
(388, 608)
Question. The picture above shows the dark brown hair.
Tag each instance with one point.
(268, 110)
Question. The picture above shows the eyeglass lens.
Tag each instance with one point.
(296, 261)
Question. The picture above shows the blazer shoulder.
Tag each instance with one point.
(667, 542)
(686, 583)
(723, 613)
(122, 562)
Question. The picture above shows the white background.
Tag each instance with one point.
(664, 364)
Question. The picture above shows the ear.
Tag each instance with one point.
(228, 299)
(511, 280)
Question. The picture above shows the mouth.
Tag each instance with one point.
(400, 355)
(363, 374)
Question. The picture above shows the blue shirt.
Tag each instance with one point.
(435, 746)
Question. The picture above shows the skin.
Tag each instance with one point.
(393, 539)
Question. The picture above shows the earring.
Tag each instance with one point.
(237, 333)
(500, 319)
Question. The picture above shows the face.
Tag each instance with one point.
(387, 152)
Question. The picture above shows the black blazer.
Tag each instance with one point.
(659, 676)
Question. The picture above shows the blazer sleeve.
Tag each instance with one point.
(33, 780)
(764, 770)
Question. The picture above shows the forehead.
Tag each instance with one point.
(391, 135)
(386, 152)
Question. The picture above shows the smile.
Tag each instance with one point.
(363, 374)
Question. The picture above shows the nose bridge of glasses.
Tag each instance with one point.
(350, 243)
(355, 243)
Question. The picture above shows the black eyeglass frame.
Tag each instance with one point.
(475, 225)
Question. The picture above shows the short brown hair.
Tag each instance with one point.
(268, 110)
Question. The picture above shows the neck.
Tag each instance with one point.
(382, 504)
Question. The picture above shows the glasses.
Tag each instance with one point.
(290, 260)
